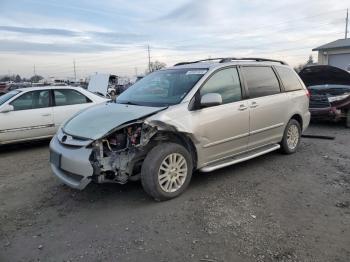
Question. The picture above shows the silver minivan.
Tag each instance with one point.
(201, 115)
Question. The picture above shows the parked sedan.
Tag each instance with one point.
(37, 112)
(329, 88)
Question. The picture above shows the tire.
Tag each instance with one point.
(347, 119)
(288, 147)
(151, 170)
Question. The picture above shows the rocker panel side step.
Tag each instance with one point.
(240, 158)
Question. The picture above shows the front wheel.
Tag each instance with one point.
(291, 137)
(166, 171)
(347, 119)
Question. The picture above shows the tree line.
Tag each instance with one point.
(17, 78)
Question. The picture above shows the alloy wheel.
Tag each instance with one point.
(172, 172)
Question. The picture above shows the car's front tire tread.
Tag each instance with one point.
(150, 167)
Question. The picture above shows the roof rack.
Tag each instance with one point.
(257, 59)
(229, 59)
(198, 61)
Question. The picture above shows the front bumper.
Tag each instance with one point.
(326, 113)
(71, 164)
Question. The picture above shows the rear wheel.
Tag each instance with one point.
(166, 171)
(291, 137)
(347, 119)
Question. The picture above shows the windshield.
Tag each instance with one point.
(162, 88)
(7, 96)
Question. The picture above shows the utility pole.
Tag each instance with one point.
(34, 71)
(136, 71)
(75, 72)
(149, 59)
(346, 23)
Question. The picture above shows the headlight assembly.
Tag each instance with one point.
(338, 98)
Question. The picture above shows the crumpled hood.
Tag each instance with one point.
(324, 75)
(94, 122)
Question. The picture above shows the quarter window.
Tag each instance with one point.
(32, 100)
(226, 83)
(289, 79)
(261, 81)
(65, 97)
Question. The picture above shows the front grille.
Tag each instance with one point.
(319, 101)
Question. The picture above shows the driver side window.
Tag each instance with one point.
(226, 83)
(32, 100)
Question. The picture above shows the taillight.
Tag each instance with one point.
(308, 94)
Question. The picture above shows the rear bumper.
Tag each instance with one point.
(71, 165)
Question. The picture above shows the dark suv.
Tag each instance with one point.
(330, 92)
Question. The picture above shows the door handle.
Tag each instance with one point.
(46, 115)
(242, 107)
(253, 105)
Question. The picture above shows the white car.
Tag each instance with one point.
(37, 112)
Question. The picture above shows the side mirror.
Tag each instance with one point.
(7, 108)
(211, 99)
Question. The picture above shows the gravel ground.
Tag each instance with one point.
(272, 208)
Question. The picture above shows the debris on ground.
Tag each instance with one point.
(344, 204)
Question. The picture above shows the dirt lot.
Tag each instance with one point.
(273, 208)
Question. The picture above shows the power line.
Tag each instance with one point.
(169, 56)
(75, 72)
(220, 41)
(149, 59)
(257, 28)
(346, 23)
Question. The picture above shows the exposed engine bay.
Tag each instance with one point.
(119, 155)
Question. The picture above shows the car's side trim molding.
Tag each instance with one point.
(242, 135)
(266, 128)
(226, 140)
(26, 128)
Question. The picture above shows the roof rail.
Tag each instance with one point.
(257, 59)
(198, 61)
(229, 59)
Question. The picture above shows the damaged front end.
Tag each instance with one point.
(329, 102)
(118, 156)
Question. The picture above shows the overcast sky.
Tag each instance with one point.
(112, 36)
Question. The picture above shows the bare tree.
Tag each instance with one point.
(36, 78)
(310, 61)
(18, 79)
(156, 65)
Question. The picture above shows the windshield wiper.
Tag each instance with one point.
(128, 103)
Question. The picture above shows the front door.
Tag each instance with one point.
(32, 118)
(222, 130)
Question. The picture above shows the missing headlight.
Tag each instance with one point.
(124, 138)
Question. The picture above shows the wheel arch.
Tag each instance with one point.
(179, 138)
(298, 118)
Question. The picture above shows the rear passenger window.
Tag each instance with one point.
(226, 83)
(261, 81)
(289, 79)
(69, 97)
